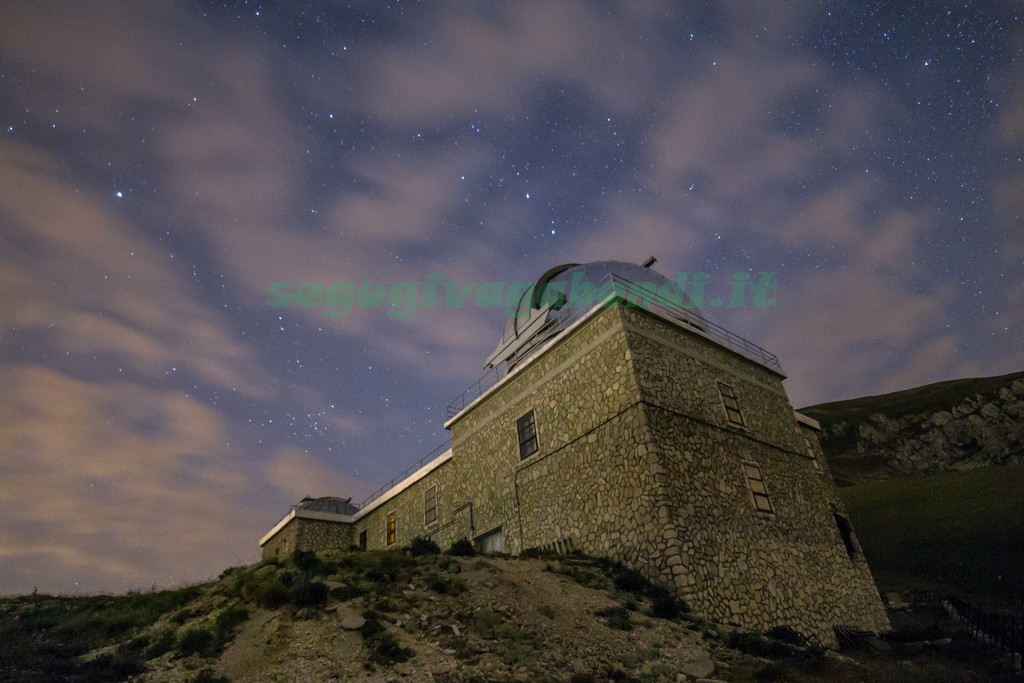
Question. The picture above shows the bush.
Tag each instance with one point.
(196, 641)
(631, 581)
(759, 646)
(618, 618)
(272, 595)
(371, 624)
(309, 594)
(445, 585)
(462, 548)
(306, 562)
(785, 634)
(162, 642)
(423, 546)
(229, 619)
(207, 676)
(486, 622)
(664, 605)
(385, 649)
(118, 666)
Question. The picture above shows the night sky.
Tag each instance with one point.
(162, 164)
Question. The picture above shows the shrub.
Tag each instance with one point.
(759, 646)
(462, 548)
(309, 594)
(196, 641)
(207, 676)
(664, 605)
(229, 619)
(307, 562)
(371, 624)
(161, 642)
(618, 618)
(445, 585)
(486, 622)
(385, 649)
(769, 673)
(117, 666)
(231, 570)
(785, 634)
(272, 595)
(630, 581)
(423, 546)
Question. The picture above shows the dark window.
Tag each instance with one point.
(731, 404)
(430, 505)
(756, 483)
(362, 539)
(849, 538)
(527, 428)
(392, 526)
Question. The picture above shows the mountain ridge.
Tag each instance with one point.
(953, 425)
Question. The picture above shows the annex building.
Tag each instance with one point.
(619, 422)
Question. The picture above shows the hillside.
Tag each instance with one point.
(955, 531)
(956, 425)
(389, 616)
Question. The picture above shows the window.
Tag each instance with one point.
(362, 539)
(810, 452)
(527, 428)
(391, 528)
(849, 538)
(756, 483)
(731, 404)
(430, 505)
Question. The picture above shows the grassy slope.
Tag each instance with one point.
(962, 531)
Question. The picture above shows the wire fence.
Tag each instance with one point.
(1002, 631)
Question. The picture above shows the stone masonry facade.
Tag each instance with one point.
(638, 461)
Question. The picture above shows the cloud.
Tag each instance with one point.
(496, 62)
(93, 286)
(109, 485)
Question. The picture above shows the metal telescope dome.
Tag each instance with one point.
(565, 294)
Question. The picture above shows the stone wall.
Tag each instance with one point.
(735, 563)
(284, 541)
(637, 463)
(308, 534)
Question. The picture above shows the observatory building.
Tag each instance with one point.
(617, 421)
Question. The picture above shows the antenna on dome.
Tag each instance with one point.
(649, 262)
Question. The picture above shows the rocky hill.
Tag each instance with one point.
(957, 425)
(394, 616)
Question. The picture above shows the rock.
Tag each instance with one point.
(349, 619)
(699, 668)
(895, 600)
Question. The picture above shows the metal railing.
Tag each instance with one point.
(438, 451)
(609, 291)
